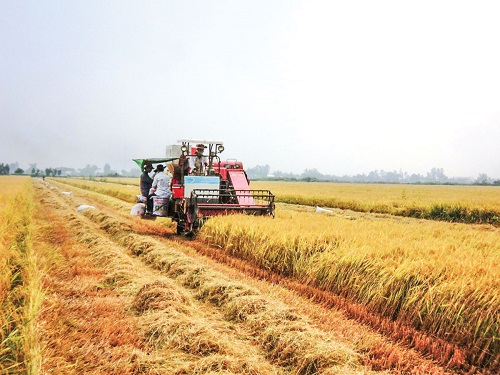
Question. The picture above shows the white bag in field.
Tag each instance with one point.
(319, 209)
(138, 209)
(83, 207)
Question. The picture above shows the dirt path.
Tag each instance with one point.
(126, 296)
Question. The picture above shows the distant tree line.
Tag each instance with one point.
(87, 171)
(4, 169)
(52, 172)
(434, 176)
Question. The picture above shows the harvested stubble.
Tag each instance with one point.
(286, 338)
(182, 335)
(158, 295)
(439, 278)
(163, 225)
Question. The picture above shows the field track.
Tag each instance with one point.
(127, 296)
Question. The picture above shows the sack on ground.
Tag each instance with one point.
(138, 209)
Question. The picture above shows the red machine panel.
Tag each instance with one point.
(239, 182)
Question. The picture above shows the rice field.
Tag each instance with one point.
(469, 204)
(452, 203)
(431, 285)
(20, 284)
(439, 278)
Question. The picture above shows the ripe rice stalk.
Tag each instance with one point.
(468, 204)
(436, 277)
(20, 280)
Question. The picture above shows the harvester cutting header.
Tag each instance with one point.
(200, 185)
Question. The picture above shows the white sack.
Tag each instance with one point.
(83, 207)
(138, 209)
(319, 209)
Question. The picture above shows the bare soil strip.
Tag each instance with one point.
(170, 296)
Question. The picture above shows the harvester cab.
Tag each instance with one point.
(203, 185)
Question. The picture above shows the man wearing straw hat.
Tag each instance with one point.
(198, 163)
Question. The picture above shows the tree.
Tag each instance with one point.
(285, 175)
(259, 171)
(393, 176)
(89, 170)
(4, 168)
(437, 175)
(35, 171)
(14, 166)
(106, 169)
(414, 178)
(482, 179)
(311, 174)
(19, 171)
(52, 172)
(374, 176)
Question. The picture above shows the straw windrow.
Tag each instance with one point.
(285, 337)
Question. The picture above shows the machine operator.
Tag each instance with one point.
(198, 163)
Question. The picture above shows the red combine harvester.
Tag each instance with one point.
(203, 186)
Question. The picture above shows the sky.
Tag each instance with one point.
(345, 87)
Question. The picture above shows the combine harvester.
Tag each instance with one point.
(198, 193)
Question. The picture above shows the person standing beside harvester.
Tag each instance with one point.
(160, 187)
(146, 180)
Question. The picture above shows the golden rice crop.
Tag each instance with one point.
(438, 277)
(134, 181)
(20, 285)
(453, 203)
(479, 204)
(126, 193)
